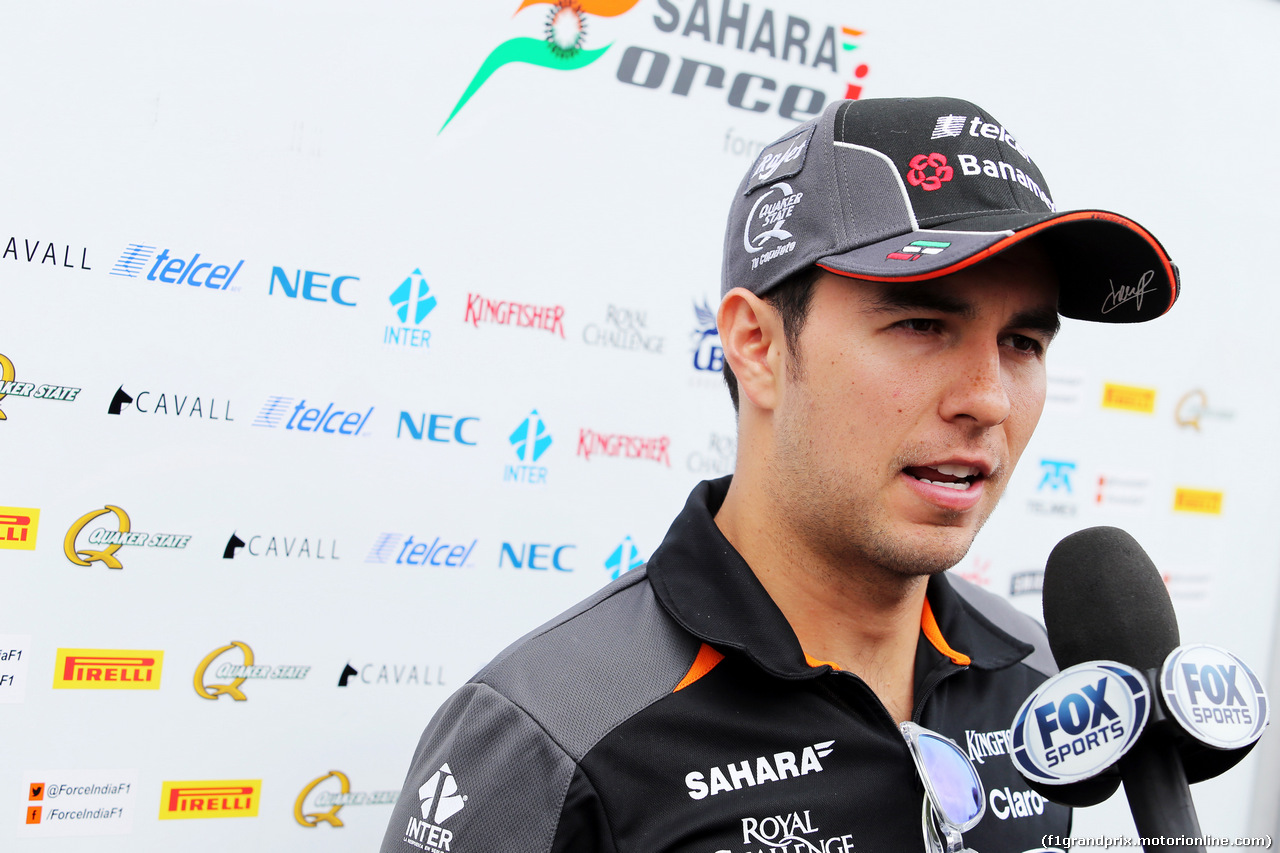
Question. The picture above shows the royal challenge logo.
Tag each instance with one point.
(224, 671)
(530, 441)
(411, 303)
(562, 45)
(109, 530)
(9, 385)
(140, 260)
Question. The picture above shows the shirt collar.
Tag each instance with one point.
(706, 586)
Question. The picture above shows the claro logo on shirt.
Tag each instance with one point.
(757, 771)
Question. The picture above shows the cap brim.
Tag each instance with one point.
(1110, 269)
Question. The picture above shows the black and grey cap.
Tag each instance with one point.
(908, 189)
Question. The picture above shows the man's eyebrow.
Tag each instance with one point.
(899, 298)
(890, 299)
(1044, 320)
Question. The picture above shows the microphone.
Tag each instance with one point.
(1113, 631)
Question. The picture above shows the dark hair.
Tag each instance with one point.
(790, 298)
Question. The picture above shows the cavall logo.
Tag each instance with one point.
(321, 800)
(201, 799)
(114, 540)
(18, 526)
(562, 46)
(236, 674)
(108, 669)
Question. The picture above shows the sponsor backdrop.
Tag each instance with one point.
(343, 344)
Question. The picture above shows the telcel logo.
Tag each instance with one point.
(312, 285)
(304, 419)
(1080, 722)
(108, 669)
(175, 270)
(223, 798)
(419, 553)
(18, 527)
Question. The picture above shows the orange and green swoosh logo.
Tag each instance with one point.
(549, 52)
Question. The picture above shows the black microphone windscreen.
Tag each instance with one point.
(1105, 600)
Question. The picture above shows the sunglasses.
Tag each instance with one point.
(954, 799)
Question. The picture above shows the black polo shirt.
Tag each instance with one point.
(676, 711)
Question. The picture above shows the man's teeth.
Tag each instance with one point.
(957, 486)
(955, 470)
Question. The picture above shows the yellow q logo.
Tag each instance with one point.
(213, 691)
(107, 554)
(1191, 409)
(331, 816)
(7, 374)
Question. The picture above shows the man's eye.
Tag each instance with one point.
(1022, 343)
(919, 324)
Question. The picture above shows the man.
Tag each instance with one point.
(893, 274)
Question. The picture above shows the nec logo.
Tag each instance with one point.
(538, 556)
(436, 427)
(312, 284)
(758, 771)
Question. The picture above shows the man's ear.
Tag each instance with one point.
(752, 339)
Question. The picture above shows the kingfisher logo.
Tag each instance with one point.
(223, 798)
(757, 771)
(107, 669)
(237, 674)
(623, 559)
(174, 270)
(562, 46)
(411, 302)
(18, 527)
(114, 540)
(441, 800)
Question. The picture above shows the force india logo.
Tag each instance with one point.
(441, 800)
(757, 771)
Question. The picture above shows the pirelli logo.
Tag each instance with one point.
(1197, 500)
(1129, 398)
(108, 669)
(220, 798)
(18, 526)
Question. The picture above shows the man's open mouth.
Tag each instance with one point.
(958, 477)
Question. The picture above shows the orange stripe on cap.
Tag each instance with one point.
(1019, 236)
(929, 626)
(702, 664)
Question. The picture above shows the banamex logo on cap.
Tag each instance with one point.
(1214, 695)
(1080, 722)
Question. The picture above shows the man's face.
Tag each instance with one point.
(906, 408)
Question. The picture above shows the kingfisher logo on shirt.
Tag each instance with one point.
(757, 771)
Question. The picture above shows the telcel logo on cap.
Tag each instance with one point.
(1080, 722)
(1214, 696)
